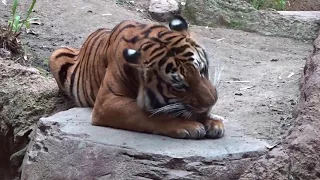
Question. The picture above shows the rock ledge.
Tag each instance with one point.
(67, 146)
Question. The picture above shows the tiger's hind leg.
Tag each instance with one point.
(61, 65)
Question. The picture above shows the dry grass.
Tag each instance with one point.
(10, 41)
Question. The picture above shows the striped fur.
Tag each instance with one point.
(162, 70)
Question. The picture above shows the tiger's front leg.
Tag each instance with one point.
(124, 113)
(214, 126)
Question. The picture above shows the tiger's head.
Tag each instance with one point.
(173, 71)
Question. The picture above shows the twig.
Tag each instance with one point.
(220, 39)
(237, 81)
(290, 75)
(244, 88)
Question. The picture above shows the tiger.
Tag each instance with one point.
(142, 77)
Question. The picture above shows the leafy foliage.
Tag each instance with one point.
(275, 4)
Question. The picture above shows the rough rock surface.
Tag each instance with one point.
(25, 96)
(299, 155)
(67, 146)
(241, 15)
(163, 10)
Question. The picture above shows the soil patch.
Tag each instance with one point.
(298, 156)
(303, 5)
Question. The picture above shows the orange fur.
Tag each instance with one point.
(130, 74)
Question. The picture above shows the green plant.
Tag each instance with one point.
(280, 4)
(9, 36)
(276, 4)
(257, 3)
(15, 24)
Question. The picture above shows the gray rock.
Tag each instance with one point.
(67, 146)
(238, 14)
(4, 53)
(303, 15)
(163, 10)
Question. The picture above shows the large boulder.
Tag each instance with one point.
(67, 146)
(163, 10)
(239, 14)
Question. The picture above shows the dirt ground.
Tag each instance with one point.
(259, 86)
(303, 5)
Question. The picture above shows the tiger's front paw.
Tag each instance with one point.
(186, 130)
(214, 127)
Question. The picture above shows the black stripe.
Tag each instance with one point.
(69, 55)
(160, 89)
(161, 53)
(155, 50)
(63, 72)
(72, 79)
(84, 75)
(162, 62)
(153, 99)
(181, 49)
(177, 41)
(111, 90)
(170, 37)
(147, 47)
(132, 83)
(83, 60)
(77, 85)
(187, 54)
(150, 29)
(93, 71)
(163, 33)
(132, 40)
(126, 27)
(169, 67)
(122, 29)
(157, 40)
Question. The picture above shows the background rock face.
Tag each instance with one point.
(163, 10)
(241, 15)
(67, 146)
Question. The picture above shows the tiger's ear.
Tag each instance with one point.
(179, 24)
(132, 56)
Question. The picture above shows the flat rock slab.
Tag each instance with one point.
(67, 146)
(303, 15)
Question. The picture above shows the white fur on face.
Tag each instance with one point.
(199, 62)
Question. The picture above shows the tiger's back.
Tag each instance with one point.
(79, 72)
